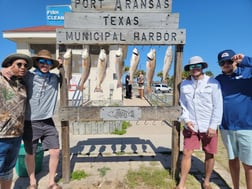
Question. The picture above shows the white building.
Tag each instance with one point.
(32, 39)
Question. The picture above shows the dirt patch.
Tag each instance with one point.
(102, 184)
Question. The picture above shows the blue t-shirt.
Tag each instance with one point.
(237, 97)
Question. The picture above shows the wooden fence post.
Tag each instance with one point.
(175, 164)
(64, 130)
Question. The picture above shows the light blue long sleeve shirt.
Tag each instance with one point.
(201, 102)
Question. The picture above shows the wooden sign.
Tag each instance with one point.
(91, 113)
(159, 36)
(121, 20)
(121, 5)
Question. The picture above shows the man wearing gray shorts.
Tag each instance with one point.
(42, 91)
(40, 130)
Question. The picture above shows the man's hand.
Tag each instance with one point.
(238, 58)
(190, 126)
(211, 132)
(7, 72)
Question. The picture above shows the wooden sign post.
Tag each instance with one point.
(121, 22)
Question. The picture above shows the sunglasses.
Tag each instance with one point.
(19, 65)
(195, 66)
(222, 63)
(45, 61)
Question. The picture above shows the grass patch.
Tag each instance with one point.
(154, 177)
(151, 177)
(192, 181)
(125, 125)
(103, 171)
(78, 175)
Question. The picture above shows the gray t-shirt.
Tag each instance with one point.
(42, 93)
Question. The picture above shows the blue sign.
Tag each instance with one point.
(55, 14)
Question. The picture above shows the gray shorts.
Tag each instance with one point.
(43, 131)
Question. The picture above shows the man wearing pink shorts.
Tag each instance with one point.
(202, 108)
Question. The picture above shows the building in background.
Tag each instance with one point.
(30, 40)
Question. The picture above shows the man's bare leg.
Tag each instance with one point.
(185, 168)
(209, 165)
(248, 175)
(5, 184)
(53, 164)
(234, 167)
(30, 166)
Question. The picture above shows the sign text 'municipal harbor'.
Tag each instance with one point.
(115, 36)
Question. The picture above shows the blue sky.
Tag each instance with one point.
(211, 26)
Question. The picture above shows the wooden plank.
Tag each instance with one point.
(155, 36)
(65, 130)
(121, 20)
(177, 73)
(151, 113)
(65, 151)
(175, 163)
(121, 5)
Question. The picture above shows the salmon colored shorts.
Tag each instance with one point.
(192, 141)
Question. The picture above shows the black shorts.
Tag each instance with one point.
(43, 131)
